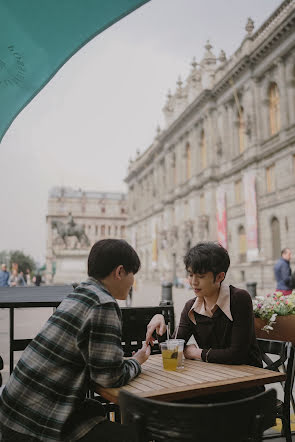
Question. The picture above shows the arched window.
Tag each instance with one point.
(242, 244)
(188, 161)
(241, 123)
(276, 238)
(203, 151)
(274, 108)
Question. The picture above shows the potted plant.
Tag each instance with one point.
(275, 316)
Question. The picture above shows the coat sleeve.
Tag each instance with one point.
(286, 274)
(103, 353)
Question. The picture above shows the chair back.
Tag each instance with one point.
(135, 321)
(285, 360)
(234, 421)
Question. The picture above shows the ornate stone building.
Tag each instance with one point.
(76, 220)
(223, 167)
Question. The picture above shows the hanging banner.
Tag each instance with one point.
(221, 217)
(251, 216)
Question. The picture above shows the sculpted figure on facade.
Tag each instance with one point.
(71, 229)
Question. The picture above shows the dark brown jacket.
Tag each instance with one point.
(231, 342)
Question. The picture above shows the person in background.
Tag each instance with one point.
(21, 280)
(4, 276)
(28, 277)
(37, 279)
(283, 273)
(77, 348)
(13, 278)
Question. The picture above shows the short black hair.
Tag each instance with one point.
(284, 250)
(108, 254)
(207, 257)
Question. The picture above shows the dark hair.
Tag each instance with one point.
(107, 254)
(207, 257)
(284, 250)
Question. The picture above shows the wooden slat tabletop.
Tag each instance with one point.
(197, 378)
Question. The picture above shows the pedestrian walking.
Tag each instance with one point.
(283, 273)
(4, 276)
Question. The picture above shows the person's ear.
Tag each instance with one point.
(118, 271)
(220, 277)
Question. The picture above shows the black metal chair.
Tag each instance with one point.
(135, 321)
(1, 368)
(285, 361)
(237, 421)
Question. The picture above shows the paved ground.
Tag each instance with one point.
(29, 321)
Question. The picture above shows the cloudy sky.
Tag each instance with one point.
(106, 103)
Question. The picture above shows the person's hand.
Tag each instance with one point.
(142, 354)
(156, 323)
(192, 352)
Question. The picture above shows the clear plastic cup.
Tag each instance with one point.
(180, 358)
(169, 352)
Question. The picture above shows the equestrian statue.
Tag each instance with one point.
(71, 229)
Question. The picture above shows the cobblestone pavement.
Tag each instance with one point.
(29, 321)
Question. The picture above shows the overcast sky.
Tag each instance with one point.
(106, 103)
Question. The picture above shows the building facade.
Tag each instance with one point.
(88, 217)
(223, 167)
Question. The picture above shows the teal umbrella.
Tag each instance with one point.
(38, 36)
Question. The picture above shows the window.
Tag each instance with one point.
(116, 230)
(96, 230)
(103, 210)
(241, 122)
(270, 179)
(188, 160)
(293, 162)
(122, 231)
(109, 230)
(238, 191)
(276, 238)
(274, 108)
(122, 210)
(102, 230)
(203, 151)
(242, 244)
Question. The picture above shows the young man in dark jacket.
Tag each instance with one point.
(219, 317)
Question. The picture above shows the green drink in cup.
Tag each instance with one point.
(169, 351)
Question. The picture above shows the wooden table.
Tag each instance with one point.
(196, 379)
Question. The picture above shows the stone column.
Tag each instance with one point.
(283, 93)
(231, 128)
(290, 86)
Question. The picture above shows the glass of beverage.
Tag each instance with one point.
(169, 354)
(180, 358)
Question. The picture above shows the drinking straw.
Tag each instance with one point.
(176, 331)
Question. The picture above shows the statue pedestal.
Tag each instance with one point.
(71, 266)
